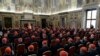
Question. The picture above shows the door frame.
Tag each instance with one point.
(4, 21)
(42, 22)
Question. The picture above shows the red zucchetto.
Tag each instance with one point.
(83, 49)
(92, 46)
(44, 43)
(31, 48)
(8, 51)
(63, 53)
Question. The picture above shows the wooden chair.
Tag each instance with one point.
(80, 45)
(16, 41)
(20, 50)
(58, 51)
(35, 46)
(27, 41)
(2, 49)
(71, 51)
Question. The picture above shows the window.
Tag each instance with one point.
(91, 18)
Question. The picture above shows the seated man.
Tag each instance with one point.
(44, 48)
(31, 50)
(8, 52)
(63, 53)
(83, 51)
(92, 50)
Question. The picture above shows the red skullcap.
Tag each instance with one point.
(63, 53)
(83, 49)
(8, 50)
(31, 47)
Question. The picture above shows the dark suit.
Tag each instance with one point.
(41, 50)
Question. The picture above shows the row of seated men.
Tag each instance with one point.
(50, 42)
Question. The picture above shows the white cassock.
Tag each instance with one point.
(29, 26)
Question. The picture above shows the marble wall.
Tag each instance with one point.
(71, 19)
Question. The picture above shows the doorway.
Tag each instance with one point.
(0, 26)
(8, 22)
(24, 23)
(44, 23)
(63, 22)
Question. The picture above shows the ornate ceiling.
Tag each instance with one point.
(39, 6)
